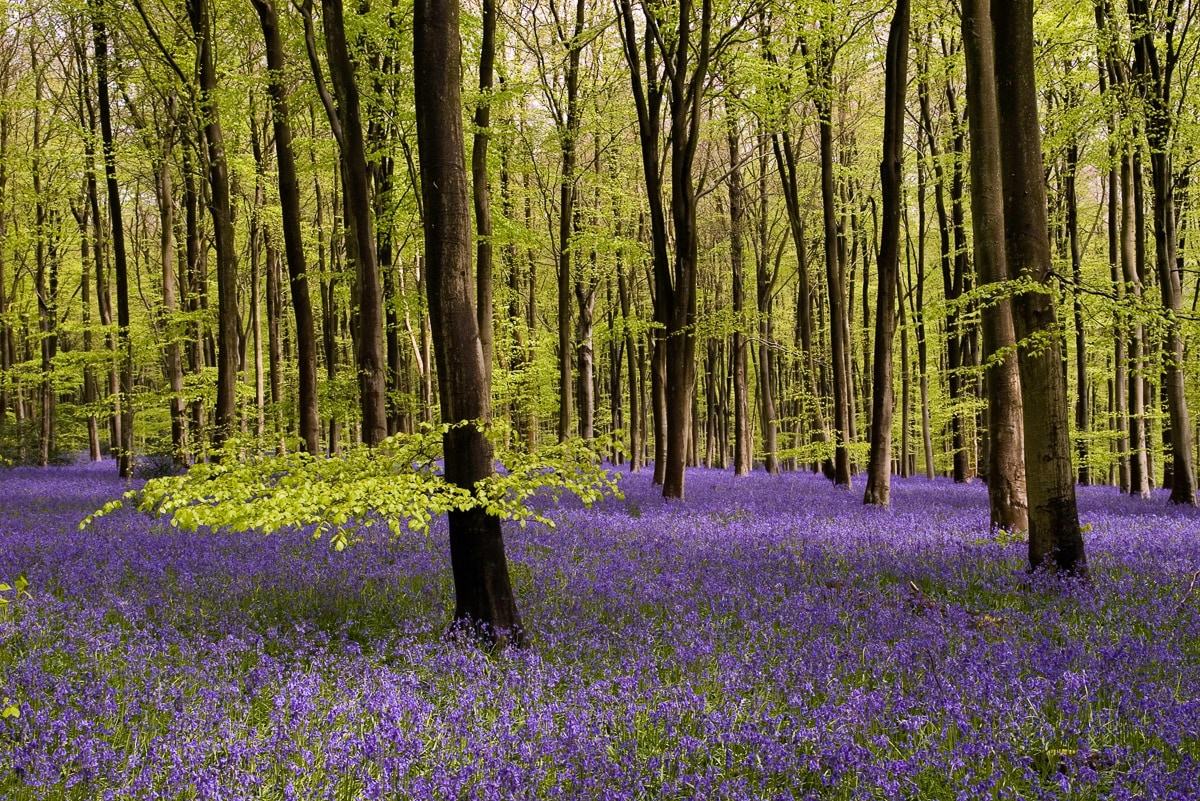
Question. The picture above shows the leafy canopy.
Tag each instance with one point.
(398, 482)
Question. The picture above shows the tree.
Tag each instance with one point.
(1153, 77)
(879, 464)
(1006, 465)
(125, 452)
(1055, 539)
(485, 602)
(293, 239)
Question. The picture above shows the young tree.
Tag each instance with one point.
(1153, 77)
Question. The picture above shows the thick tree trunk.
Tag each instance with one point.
(293, 237)
(1054, 532)
(485, 601)
(879, 463)
(1006, 459)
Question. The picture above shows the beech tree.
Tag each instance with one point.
(879, 465)
(485, 601)
(1054, 534)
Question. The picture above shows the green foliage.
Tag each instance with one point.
(399, 482)
(9, 708)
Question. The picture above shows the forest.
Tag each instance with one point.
(736, 384)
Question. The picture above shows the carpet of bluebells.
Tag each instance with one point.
(768, 638)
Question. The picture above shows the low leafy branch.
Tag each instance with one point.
(399, 483)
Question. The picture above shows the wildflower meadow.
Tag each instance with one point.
(770, 637)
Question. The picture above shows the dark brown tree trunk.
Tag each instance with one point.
(479, 187)
(568, 130)
(220, 207)
(879, 464)
(1082, 415)
(837, 298)
(43, 258)
(624, 291)
(1054, 532)
(100, 43)
(1153, 77)
(1006, 458)
(293, 238)
(171, 350)
(765, 285)
(485, 603)
(195, 290)
(743, 454)
(360, 230)
(785, 160)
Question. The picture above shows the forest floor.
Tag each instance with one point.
(767, 638)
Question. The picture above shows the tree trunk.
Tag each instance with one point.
(220, 207)
(743, 455)
(1006, 459)
(837, 302)
(360, 234)
(100, 42)
(891, 171)
(485, 603)
(1154, 83)
(1054, 532)
(293, 237)
(479, 187)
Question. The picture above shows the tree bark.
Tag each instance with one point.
(221, 209)
(891, 171)
(293, 237)
(742, 450)
(360, 234)
(485, 604)
(100, 43)
(1006, 460)
(1055, 538)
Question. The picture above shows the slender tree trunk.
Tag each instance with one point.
(743, 456)
(765, 286)
(293, 238)
(174, 358)
(484, 598)
(568, 130)
(100, 43)
(360, 234)
(1082, 415)
(1006, 459)
(220, 207)
(833, 275)
(1154, 83)
(479, 187)
(891, 170)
